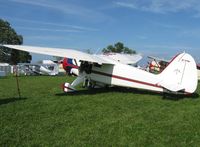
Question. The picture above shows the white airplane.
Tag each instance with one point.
(179, 77)
(38, 69)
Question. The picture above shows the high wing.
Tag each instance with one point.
(124, 58)
(69, 53)
(74, 54)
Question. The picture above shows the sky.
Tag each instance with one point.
(160, 28)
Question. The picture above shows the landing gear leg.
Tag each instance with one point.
(67, 87)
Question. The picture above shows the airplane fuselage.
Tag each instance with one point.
(125, 76)
(180, 75)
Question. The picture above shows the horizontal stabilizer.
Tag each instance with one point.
(172, 87)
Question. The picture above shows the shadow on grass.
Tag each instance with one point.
(166, 96)
(10, 100)
(180, 96)
(88, 91)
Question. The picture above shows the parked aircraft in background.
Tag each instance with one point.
(38, 69)
(156, 65)
(179, 77)
(198, 68)
(71, 66)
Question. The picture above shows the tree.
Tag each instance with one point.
(9, 36)
(89, 51)
(118, 48)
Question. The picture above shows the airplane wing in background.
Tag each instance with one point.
(158, 59)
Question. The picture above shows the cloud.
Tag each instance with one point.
(167, 47)
(47, 37)
(193, 32)
(166, 25)
(161, 6)
(166, 51)
(126, 5)
(41, 3)
(74, 27)
(50, 30)
(67, 9)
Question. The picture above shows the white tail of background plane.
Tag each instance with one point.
(180, 74)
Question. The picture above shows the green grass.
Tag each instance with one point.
(44, 116)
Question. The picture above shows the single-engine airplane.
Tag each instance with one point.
(179, 77)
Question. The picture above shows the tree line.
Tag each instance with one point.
(118, 48)
(9, 36)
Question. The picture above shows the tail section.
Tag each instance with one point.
(180, 74)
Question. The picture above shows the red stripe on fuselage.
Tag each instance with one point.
(131, 80)
(125, 79)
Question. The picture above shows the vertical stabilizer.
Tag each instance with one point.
(180, 74)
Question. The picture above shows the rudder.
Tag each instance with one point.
(180, 74)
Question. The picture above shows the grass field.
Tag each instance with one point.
(44, 116)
